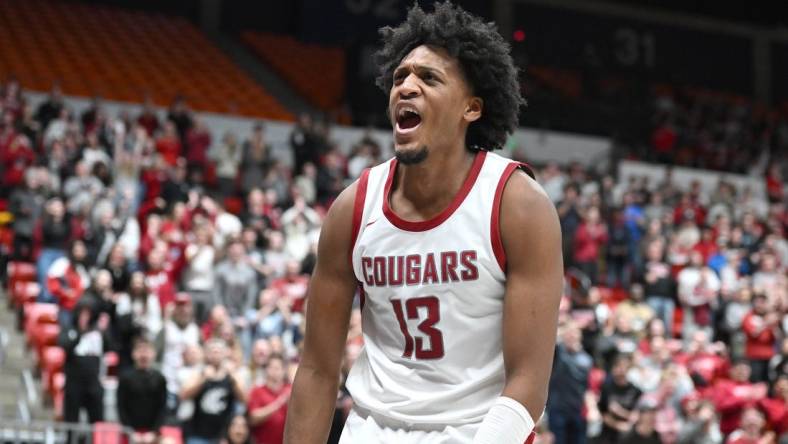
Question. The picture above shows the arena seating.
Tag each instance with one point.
(315, 71)
(124, 55)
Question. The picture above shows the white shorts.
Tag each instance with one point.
(362, 428)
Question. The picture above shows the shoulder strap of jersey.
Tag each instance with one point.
(495, 225)
(358, 210)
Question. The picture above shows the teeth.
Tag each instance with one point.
(406, 109)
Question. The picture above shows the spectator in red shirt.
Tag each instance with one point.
(752, 430)
(158, 278)
(292, 286)
(168, 144)
(732, 396)
(776, 407)
(688, 209)
(16, 158)
(67, 280)
(148, 118)
(268, 404)
(590, 236)
(198, 141)
(760, 327)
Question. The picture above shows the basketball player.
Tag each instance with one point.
(457, 252)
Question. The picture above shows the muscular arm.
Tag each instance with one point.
(330, 298)
(531, 238)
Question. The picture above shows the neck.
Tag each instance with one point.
(275, 385)
(427, 188)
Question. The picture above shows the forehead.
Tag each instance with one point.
(431, 57)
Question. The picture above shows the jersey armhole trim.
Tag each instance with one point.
(495, 220)
(358, 211)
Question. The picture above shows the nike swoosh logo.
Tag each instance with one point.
(371, 223)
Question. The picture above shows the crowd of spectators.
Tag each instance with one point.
(713, 131)
(126, 218)
(189, 257)
(673, 326)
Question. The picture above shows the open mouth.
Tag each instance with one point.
(408, 118)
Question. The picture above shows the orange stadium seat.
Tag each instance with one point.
(315, 71)
(98, 50)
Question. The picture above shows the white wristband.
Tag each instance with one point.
(507, 422)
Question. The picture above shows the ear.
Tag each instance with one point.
(473, 109)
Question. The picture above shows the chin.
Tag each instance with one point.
(411, 155)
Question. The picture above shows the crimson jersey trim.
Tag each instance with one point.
(495, 223)
(429, 224)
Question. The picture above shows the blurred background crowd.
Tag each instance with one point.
(170, 262)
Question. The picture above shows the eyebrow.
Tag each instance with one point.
(417, 68)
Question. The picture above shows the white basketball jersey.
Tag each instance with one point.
(432, 300)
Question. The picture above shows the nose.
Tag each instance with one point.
(408, 88)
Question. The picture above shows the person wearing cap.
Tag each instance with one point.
(179, 331)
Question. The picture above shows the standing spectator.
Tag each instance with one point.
(142, 395)
(26, 204)
(590, 237)
(635, 221)
(82, 188)
(67, 280)
(568, 385)
(236, 289)
(227, 156)
(168, 144)
(617, 402)
(138, 315)
(698, 289)
(55, 235)
(50, 108)
(617, 253)
(148, 118)
(256, 159)
(198, 141)
(198, 277)
(178, 333)
(214, 391)
(732, 396)
(569, 215)
(85, 342)
(658, 286)
(268, 404)
(118, 266)
(180, 114)
(159, 276)
(303, 143)
(760, 326)
(175, 188)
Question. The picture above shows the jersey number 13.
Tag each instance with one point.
(427, 327)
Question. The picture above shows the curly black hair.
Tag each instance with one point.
(483, 56)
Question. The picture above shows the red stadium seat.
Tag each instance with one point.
(37, 314)
(171, 435)
(20, 272)
(51, 363)
(107, 433)
(44, 335)
(24, 292)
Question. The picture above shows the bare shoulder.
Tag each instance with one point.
(529, 220)
(523, 198)
(336, 234)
